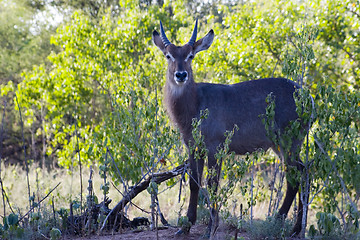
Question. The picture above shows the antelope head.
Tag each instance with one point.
(179, 72)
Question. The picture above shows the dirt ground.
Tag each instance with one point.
(196, 232)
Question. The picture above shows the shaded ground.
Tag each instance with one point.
(196, 232)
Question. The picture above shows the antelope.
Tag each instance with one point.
(238, 104)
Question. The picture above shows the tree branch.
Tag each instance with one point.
(338, 175)
(156, 177)
(32, 208)
(276, 55)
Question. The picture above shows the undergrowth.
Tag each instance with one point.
(49, 218)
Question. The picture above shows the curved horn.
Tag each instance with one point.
(164, 39)
(194, 34)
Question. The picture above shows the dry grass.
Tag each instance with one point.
(14, 179)
(41, 182)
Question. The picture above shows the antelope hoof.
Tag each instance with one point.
(181, 232)
(280, 216)
(206, 234)
(296, 230)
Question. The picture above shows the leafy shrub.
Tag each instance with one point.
(271, 228)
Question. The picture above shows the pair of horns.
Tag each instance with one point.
(166, 41)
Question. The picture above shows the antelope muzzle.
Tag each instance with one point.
(180, 77)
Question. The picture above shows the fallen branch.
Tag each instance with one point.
(130, 202)
(134, 191)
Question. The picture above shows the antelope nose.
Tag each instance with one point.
(181, 76)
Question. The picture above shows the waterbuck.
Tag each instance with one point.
(239, 104)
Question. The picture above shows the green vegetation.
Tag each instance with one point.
(89, 91)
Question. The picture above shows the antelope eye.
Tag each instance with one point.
(191, 56)
(168, 56)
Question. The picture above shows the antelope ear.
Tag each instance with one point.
(205, 42)
(157, 41)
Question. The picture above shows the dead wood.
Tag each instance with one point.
(134, 191)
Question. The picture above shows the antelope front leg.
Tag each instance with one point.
(213, 183)
(195, 175)
(196, 167)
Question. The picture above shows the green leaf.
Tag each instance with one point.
(12, 219)
(55, 234)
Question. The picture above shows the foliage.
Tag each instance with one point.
(112, 72)
(25, 32)
(10, 228)
(328, 225)
(202, 211)
(335, 137)
(55, 234)
(39, 224)
(21, 45)
(97, 100)
(109, 68)
(269, 228)
(184, 223)
(337, 133)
